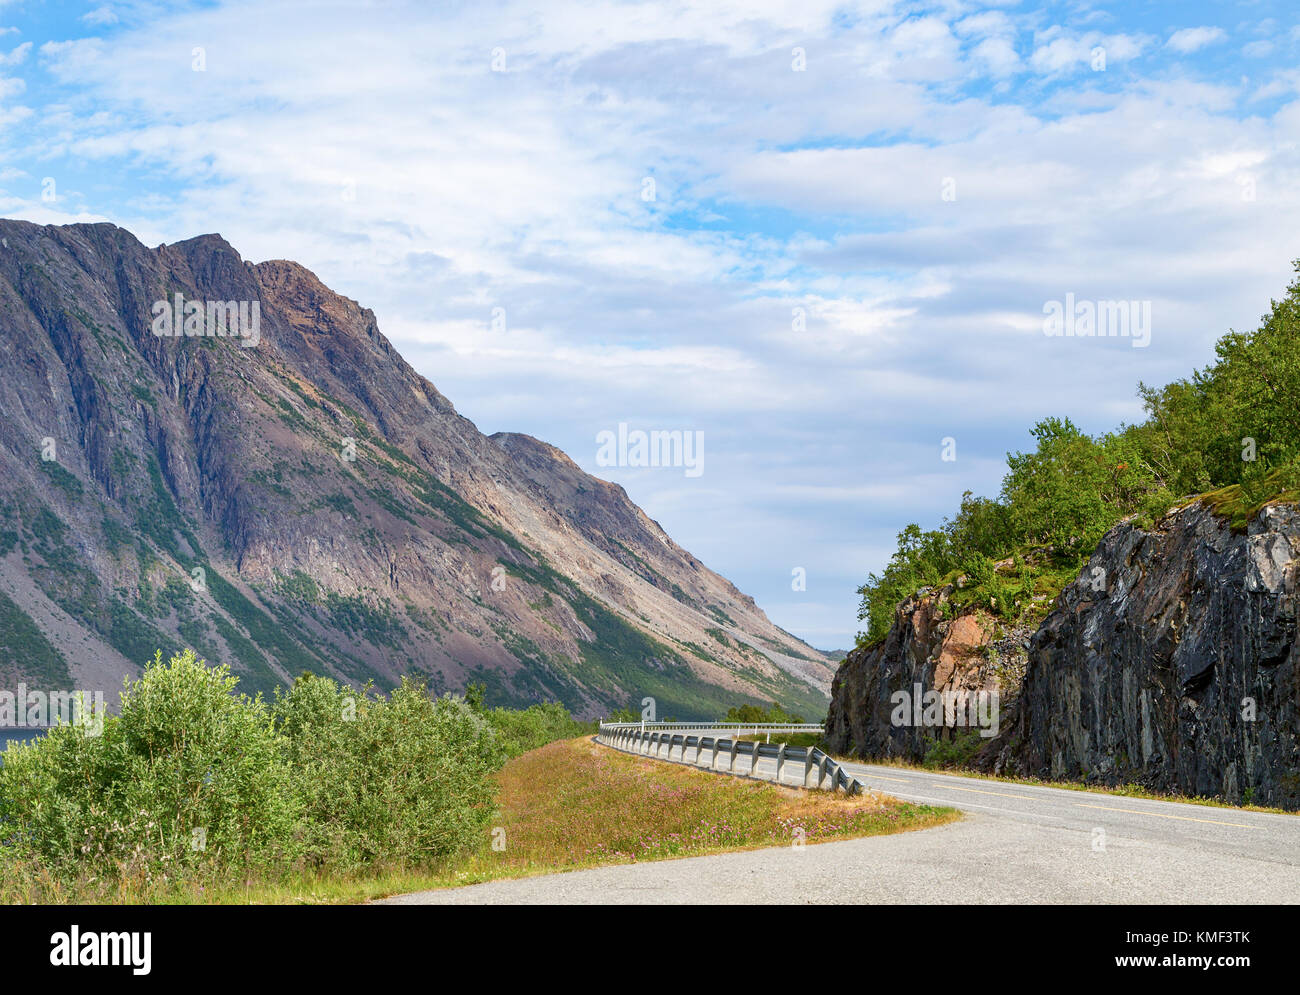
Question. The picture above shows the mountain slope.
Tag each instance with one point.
(310, 502)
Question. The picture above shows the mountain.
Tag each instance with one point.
(296, 497)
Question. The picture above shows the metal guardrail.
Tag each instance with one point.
(739, 728)
(658, 739)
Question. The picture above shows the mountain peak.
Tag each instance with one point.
(308, 501)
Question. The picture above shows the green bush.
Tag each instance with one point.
(407, 779)
(521, 730)
(190, 773)
(1231, 429)
(194, 779)
(757, 713)
(958, 751)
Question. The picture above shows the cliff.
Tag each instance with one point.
(1170, 661)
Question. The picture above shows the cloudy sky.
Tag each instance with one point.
(821, 234)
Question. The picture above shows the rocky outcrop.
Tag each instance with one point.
(310, 502)
(925, 649)
(1170, 661)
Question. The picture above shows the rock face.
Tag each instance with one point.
(923, 649)
(309, 502)
(1171, 661)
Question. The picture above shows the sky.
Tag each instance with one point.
(822, 237)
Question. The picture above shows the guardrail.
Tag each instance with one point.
(657, 739)
(738, 728)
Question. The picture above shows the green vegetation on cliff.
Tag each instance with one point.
(1230, 433)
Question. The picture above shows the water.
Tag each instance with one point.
(8, 736)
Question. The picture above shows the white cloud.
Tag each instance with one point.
(822, 189)
(998, 55)
(16, 56)
(1058, 52)
(1188, 40)
(100, 16)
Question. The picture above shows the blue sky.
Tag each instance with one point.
(859, 212)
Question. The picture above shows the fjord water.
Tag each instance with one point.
(8, 736)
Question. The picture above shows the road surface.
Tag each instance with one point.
(1017, 844)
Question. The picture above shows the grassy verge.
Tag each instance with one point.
(565, 806)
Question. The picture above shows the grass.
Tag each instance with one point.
(566, 806)
(1240, 504)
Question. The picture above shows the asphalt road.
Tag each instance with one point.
(1017, 844)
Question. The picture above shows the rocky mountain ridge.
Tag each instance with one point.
(310, 502)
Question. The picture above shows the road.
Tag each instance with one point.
(1016, 844)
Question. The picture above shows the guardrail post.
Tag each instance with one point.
(731, 769)
(808, 761)
(713, 761)
(780, 762)
(753, 759)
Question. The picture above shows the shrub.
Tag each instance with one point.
(757, 713)
(521, 730)
(329, 776)
(190, 773)
(407, 779)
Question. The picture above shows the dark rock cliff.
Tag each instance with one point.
(1179, 673)
(1170, 661)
